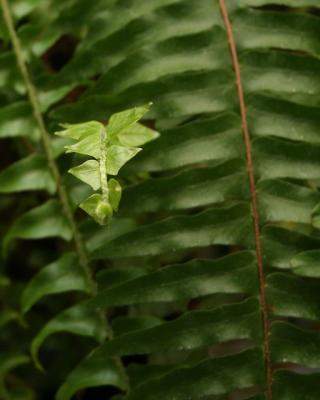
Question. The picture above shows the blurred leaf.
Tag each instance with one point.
(30, 173)
(115, 192)
(239, 371)
(234, 273)
(197, 187)
(95, 370)
(215, 226)
(10, 361)
(286, 345)
(124, 325)
(63, 275)
(41, 222)
(8, 316)
(306, 264)
(16, 120)
(193, 330)
(80, 319)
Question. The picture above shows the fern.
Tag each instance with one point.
(113, 148)
(207, 273)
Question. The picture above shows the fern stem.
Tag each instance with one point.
(102, 166)
(255, 212)
(34, 101)
(63, 195)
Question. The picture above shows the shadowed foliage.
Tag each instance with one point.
(172, 299)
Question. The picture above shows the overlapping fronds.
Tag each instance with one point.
(235, 88)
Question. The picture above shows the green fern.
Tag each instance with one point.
(112, 147)
(210, 279)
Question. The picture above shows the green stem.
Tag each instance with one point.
(62, 193)
(102, 166)
(33, 97)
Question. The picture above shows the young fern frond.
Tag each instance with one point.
(111, 146)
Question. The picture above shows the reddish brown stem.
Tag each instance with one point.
(255, 213)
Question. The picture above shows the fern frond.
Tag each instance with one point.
(186, 277)
(111, 147)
